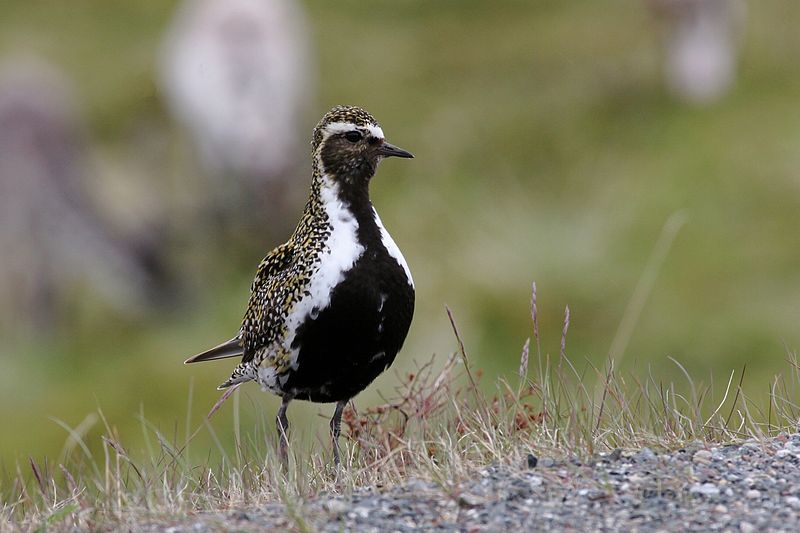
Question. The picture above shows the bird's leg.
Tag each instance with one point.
(336, 427)
(282, 425)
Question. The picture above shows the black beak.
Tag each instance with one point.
(389, 150)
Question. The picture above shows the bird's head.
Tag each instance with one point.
(348, 145)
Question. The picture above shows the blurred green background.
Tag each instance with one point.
(547, 149)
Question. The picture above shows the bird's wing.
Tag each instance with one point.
(241, 345)
(231, 348)
(263, 319)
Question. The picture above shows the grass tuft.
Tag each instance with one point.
(441, 424)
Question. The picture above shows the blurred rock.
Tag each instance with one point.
(51, 235)
(237, 77)
(700, 46)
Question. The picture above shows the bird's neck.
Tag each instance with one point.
(351, 195)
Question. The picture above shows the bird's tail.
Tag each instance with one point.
(242, 373)
(231, 348)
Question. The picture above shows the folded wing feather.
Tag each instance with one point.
(231, 348)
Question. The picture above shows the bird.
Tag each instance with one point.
(701, 46)
(238, 78)
(55, 236)
(331, 307)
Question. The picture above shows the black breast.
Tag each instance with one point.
(350, 342)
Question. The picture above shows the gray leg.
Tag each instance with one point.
(336, 427)
(282, 425)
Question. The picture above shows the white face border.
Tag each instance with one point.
(342, 127)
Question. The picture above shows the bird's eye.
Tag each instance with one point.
(353, 136)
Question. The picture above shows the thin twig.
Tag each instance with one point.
(463, 352)
(736, 398)
(645, 285)
(564, 331)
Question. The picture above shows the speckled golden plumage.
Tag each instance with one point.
(330, 308)
(284, 273)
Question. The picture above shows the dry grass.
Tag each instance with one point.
(439, 425)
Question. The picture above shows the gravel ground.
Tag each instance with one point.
(754, 486)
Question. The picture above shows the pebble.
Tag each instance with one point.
(335, 507)
(706, 489)
(240, 515)
(750, 487)
(361, 512)
(644, 455)
(532, 460)
(702, 457)
(615, 455)
(469, 500)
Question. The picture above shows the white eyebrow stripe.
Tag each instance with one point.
(339, 127)
(342, 127)
(376, 131)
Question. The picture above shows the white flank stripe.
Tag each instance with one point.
(341, 252)
(392, 248)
